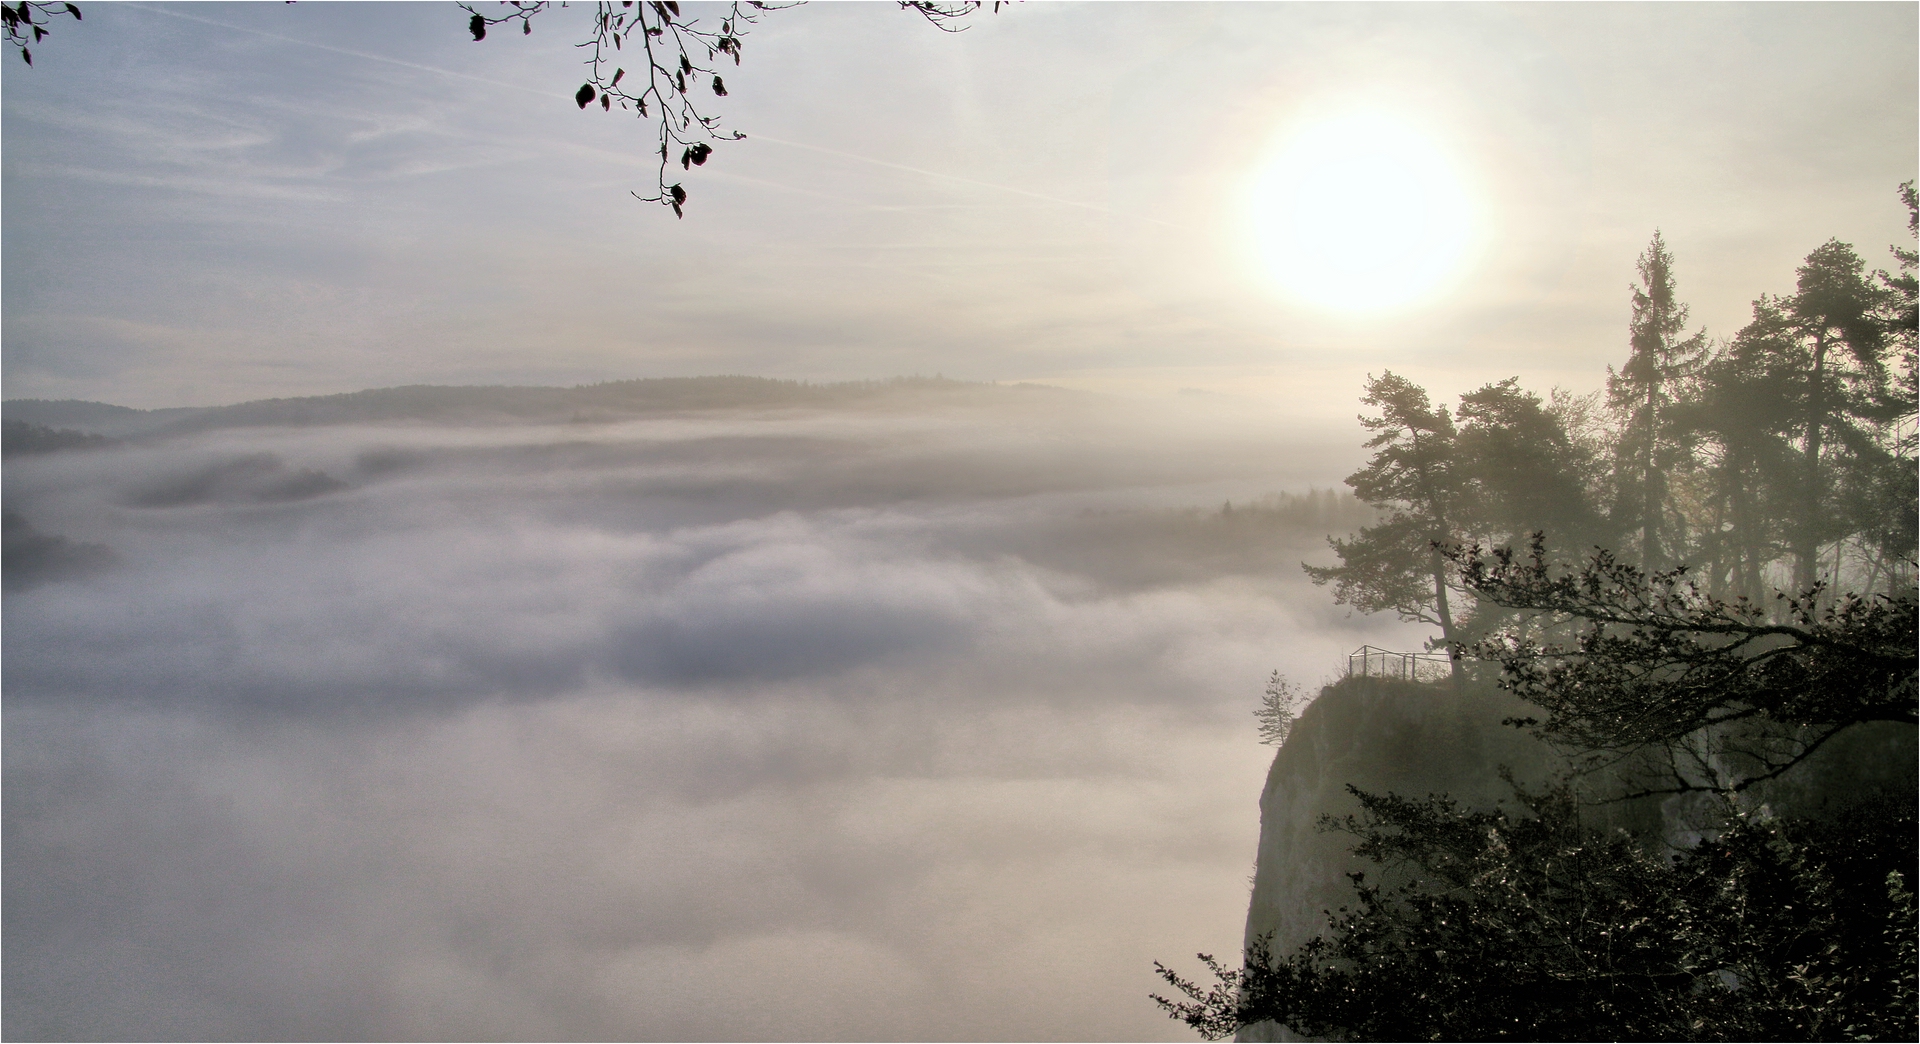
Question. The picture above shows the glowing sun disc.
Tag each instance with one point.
(1360, 212)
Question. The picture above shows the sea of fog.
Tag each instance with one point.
(881, 723)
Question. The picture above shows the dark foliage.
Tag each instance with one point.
(1734, 692)
(26, 23)
(1531, 926)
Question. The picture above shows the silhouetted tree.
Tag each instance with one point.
(1742, 417)
(1643, 393)
(1533, 925)
(1396, 565)
(1520, 473)
(1521, 470)
(1279, 706)
(1833, 338)
(1890, 521)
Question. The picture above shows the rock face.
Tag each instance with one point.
(1417, 739)
(1411, 738)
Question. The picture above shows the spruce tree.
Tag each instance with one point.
(1643, 394)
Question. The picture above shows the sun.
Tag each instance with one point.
(1360, 212)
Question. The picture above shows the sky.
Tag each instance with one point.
(215, 203)
(922, 717)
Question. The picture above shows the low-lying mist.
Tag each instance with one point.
(845, 720)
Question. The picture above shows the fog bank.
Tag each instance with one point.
(824, 722)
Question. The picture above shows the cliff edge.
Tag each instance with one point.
(1420, 738)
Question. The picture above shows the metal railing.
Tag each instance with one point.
(1369, 662)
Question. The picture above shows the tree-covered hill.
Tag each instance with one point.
(612, 400)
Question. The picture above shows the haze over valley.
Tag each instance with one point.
(876, 712)
(695, 522)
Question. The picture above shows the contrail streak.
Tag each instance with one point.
(345, 51)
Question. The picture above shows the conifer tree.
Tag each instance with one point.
(1397, 563)
(1840, 348)
(1643, 393)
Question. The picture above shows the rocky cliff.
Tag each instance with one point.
(1426, 738)
(1379, 735)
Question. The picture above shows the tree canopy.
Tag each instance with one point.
(1783, 457)
(1698, 600)
(1396, 565)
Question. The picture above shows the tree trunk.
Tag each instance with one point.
(1807, 552)
(1650, 485)
(1747, 543)
(1717, 584)
(1446, 619)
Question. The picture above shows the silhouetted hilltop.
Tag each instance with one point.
(612, 400)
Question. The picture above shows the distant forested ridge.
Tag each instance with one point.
(612, 400)
(19, 438)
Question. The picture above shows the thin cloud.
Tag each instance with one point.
(363, 55)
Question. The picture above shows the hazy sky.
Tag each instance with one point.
(215, 202)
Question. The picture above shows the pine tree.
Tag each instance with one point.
(1397, 563)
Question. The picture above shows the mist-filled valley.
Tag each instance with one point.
(476, 565)
(921, 713)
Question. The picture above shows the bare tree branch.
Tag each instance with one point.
(675, 66)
